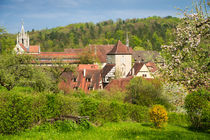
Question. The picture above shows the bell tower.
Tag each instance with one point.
(23, 37)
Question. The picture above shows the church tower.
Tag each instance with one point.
(23, 38)
(121, 56)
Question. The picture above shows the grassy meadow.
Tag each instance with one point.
(113, 131)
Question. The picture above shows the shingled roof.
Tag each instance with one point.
(80, 80)
(136, 68)
(101, 51)
(107, 68)
(120, 49)
(119, 84)
(34, 49)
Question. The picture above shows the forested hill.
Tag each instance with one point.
(147, 33)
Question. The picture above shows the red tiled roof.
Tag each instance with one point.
(87, 66)
(77, 51)
(101, 51)
(34, 49)
(23, 47)
(81, 81)
(120, 48)
(119, 84)
(56, 55)
(107, 68)
(151, 66)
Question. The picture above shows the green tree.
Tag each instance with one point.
(147, 93)
(7, 43)
(16, 70)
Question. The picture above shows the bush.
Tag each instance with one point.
(146, 93)
(16, 113)
(178, 119)
(158, 115)
(89, 108)
(198, 109)
(138, 113)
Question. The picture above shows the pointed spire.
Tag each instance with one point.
(127, 40)
(22, 27)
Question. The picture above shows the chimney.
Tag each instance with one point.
(84, 72)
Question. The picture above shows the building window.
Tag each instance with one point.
(144, 75)
(74, 79)
(88, 79)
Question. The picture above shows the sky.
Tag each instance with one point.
(42, 14)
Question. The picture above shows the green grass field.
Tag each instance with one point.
(113, 131)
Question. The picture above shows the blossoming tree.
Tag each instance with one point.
(187, 58)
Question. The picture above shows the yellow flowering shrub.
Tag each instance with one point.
(158, 115)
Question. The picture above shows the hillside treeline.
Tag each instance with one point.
(144, 34)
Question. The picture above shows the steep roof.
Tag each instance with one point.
(136, 68)
(120, 49)
(152, 67)
(101, 51)
(107, 68)
(81, 82)
(34, 49)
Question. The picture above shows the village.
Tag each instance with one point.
(119, 63)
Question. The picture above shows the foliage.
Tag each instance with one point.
(15, 113)
(179, 119)
(16, 70)
(89, 108)
(149, 33)
(198, 109)
(87, 58)
(158, 115)
(187, 58)
(143, 92)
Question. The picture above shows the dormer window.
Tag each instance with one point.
(88, 79)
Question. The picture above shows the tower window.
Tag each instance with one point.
(22, 40)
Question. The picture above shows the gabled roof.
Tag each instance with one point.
(81, 82)
(120, 49)
(101, 51)
(34, 49)
(136, 68)
(151, 66)
(107, 68)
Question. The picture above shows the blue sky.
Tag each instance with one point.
(41, 14)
